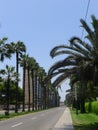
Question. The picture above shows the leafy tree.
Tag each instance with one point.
(12, 91)
(10, 75)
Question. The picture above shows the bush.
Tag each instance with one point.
(92, 107)
(88, 107)
(95, 107)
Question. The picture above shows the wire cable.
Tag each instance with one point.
(88, 5)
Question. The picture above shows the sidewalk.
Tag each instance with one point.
(65, 122)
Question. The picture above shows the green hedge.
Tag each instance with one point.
(92, 107)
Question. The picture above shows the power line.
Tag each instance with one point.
(87, 9)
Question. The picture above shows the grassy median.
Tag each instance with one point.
(13, 114)
(88, 121)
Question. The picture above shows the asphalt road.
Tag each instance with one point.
(44, 120)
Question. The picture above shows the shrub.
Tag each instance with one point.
(95, 107)
(92, 107)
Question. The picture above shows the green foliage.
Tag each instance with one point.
(92, 107)
(87, 121)
(12, 93)
(95, 107)
(88, 107)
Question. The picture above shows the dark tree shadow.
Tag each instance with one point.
(91, 126)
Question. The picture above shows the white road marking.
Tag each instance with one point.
(42, 114)
(17, 124)
(33, 118)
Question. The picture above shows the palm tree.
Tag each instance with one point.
(35, 94)
(23, 63)
(41, 77)
(43, 88)
(80, 59)
(26, 63)
(10, 75)
(32, 74)
(73, 64)
(4, 50)
(17, 48)
(29, 66)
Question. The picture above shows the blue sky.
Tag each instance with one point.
(43, 24)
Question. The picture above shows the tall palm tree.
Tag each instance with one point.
(29, 67)
(32, 74)
(18, 48)
(23, 63)
(36, 86)
(41, 77)
(80, 59)
(72, 65)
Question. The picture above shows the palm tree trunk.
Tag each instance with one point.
(45, 97)
(82, 105)
(16, 106)
(82, 97)
(24, 88)
(29, 102)
(33, 90)
(7, 97)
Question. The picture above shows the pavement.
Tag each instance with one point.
(65, 121)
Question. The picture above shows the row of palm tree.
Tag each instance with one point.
(6, 51)
(37, 87)
(81, 62)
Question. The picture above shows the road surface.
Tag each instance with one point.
(44, 120)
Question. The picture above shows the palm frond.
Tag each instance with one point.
(66, 74)
(90, 36)
(82, 47)
(61, 64)
(56, 48)
(95, 26)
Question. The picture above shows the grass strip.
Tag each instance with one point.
(13, 114)
(87, 121)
